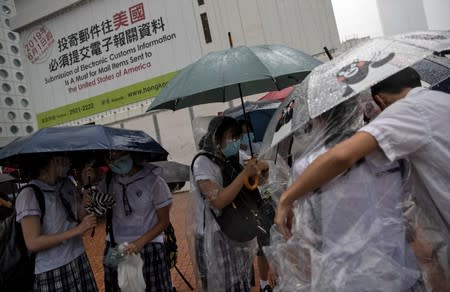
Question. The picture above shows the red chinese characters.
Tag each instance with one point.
(37, 43)
(137, 13)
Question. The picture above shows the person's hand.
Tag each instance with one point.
(5, 203)
(263, 168)
(251, 168)
(134, 247)
(283, 217)
(422, 247)
(88, 222)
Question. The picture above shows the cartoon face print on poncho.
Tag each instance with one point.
(353, 75)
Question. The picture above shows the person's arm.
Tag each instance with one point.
(326, 167)
(433, 273)
(35, 241)
(157, 229)
(5, 203)
(221, 197)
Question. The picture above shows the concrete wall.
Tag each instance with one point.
(307, 25)
(437, 13)
(31, 11)
(401, 16)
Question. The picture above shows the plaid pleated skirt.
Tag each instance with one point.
(156, 270)
(75, 276)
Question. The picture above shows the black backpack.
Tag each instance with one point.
(16, 263)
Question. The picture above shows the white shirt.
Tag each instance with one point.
(146, 192)
(55, 221)
(360, 226)
(205, 169)
(418, 128)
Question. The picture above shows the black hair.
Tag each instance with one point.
(406, 78)
(247, 123)
(39, 162)
(217, 128)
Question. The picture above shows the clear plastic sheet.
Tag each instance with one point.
(219, 262)
(351, 234)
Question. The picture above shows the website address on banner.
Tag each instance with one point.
(154, 87)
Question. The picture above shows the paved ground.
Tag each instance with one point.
(95, 245)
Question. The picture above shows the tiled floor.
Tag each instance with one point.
(94, 246)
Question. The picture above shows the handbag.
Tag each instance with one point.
(238, 220)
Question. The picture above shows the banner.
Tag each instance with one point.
(105, 54)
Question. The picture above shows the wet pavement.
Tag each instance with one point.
(95, 245)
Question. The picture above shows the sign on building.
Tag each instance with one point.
(105, 54)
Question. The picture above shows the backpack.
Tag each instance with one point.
(241, 219)
(16, 263)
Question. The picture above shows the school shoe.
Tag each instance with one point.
(266, 289)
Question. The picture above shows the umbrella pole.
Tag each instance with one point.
(247, 119)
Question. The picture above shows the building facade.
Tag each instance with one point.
(102, 61)
(16, 112)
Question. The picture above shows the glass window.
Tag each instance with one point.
(24, 102)
(206, 30)
(14, 129)
(9, 101)
(11, 116)
(19, 75)
(12, 36)
(3, 73)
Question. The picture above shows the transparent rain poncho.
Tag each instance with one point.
(349, 235)
(221, 264)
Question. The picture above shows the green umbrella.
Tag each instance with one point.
(228, 74)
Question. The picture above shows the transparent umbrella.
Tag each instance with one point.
(350, 74)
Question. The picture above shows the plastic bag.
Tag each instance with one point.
(129, 271)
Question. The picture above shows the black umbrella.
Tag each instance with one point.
(80, 139)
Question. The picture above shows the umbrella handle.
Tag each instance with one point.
(251, 186)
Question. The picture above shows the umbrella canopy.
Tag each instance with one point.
(354, 72)
(225, 75)
(279, 95)
(260, 114)
(79, 139)
(435, 72)
(367, 64)
(173, 172)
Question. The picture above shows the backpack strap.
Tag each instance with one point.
(109, 214)
(39, 197)
(207, 154)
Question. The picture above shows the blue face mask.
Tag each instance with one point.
(122, 165)
(245, 140)
(231, 149)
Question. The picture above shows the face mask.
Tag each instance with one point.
(122, 165)
(245, 140)
(231, 149)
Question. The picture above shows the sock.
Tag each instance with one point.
(263, 283)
